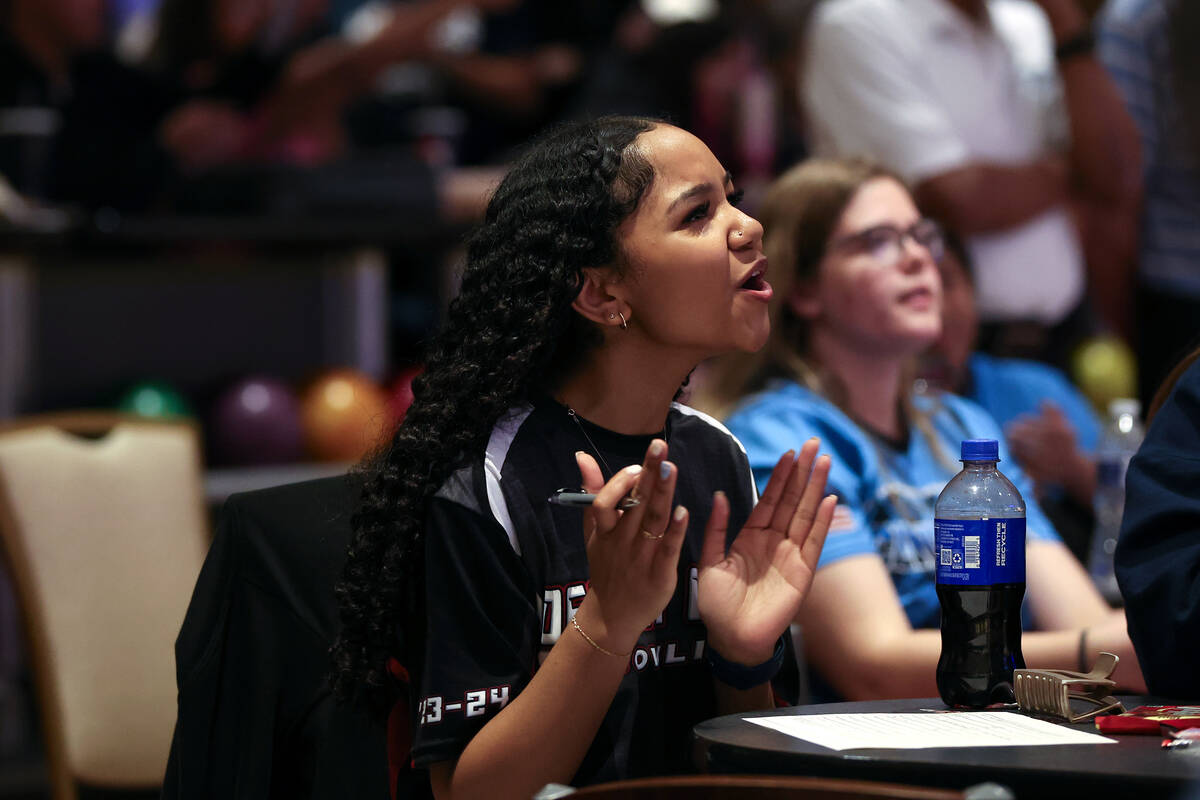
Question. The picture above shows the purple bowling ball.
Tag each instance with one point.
(257, 421)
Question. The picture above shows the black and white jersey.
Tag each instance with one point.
(505, 571)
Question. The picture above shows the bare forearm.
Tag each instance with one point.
(902, 666)
(857, 634)
(858, 637)
(1077, 649)
(1059, 592)
(917, 657)
(507, 82)
(407, 36)
(907, 667)
(1110, 241)
(1051, 649)
(544, 733)
(1105, 149)
(981, 198)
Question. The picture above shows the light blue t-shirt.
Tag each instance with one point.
(1008, 387)
(885, 494)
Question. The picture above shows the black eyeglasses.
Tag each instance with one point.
(885, 243)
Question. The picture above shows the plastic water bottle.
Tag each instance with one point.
(1121, 439)
(979, 534)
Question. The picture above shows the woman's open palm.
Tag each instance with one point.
(749, 595)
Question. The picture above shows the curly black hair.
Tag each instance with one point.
(510, 333)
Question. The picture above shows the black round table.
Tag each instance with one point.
(1136, 766)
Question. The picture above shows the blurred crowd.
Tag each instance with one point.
(161, 104)
(1053, 140)
(1049, 151)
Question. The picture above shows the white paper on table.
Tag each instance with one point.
(906, 731)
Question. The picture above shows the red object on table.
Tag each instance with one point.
(1150, 719)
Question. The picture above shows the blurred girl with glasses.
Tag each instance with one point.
(857, 297)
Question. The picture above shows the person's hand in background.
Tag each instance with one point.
(204, 133)
(1047, 448)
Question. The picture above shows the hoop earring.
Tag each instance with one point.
(624, 324)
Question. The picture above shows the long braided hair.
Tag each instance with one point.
(510, 332)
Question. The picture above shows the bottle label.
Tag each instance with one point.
(980, 552)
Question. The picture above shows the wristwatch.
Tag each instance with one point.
(1077, 44)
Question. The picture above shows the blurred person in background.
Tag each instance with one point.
(929, 88)
(269, 80)
(462, 82)
(410, 90)
(51, 54)
(1051, 429)
(233, 103)
(507, 75)
(1150, 49)
(857, 299)
(224, 58)
(700, 63)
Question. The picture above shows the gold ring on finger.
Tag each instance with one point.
(650, 535)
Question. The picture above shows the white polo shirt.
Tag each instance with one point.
(919, 87)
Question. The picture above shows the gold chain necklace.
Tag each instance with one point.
(666, 432)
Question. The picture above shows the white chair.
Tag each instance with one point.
(104, 526)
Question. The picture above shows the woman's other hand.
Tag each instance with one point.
(749, 596)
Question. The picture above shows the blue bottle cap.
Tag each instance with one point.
(980, 450)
